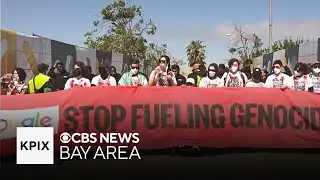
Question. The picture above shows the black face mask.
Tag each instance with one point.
(60, 69)
(256, 77)
(113, 72)
(77, 72)
(201, 73)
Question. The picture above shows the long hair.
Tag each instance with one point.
(21, 74)
(302, 67)
(167, 61)
(216, 67)
(84, 69)
(231, 61)
(257, 75)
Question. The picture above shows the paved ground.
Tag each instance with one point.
(257, 165)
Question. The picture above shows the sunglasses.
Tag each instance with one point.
(134, 67)
(162, 61)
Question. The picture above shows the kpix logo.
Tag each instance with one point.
(31, 145)
(35, 145)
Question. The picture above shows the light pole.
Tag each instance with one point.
(270, 26)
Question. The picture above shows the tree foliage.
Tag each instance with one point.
(196, 52)
(247, 46)
(155, 51)
(121, 28)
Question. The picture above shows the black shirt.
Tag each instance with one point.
(181, 80)
(59, 79)
(91, 76)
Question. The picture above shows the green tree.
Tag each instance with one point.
(196, 53)
(245, 46)
(285, 44)
(248, 46)
(121, 28)
(155, 51)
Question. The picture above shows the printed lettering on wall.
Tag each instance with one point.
(8, 51)
(103, 57)
(65, 53)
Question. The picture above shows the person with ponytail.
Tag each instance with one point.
(211, 80)
(162, 74)
(314, 78)
(300, 78)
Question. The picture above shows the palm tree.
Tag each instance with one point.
(196, 53)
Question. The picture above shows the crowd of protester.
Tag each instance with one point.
(57, 78)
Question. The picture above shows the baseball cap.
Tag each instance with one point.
(190, 80)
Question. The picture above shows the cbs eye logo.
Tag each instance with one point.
(65, 138)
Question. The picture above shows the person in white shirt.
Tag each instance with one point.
(256, 80)
(278, 79)
(300, 77)
(78, 77)
(211, 80)
(234, 78)
(314, 78)
(162, 76)
(104, 78)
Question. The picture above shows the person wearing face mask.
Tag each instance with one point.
(133, 77)
(41, 83)
(314, 78)
(162, 74)
(78, 77)
(104, 78)
(198, 72)
(278, 79)
(234, 78)
(256, 80)
(211, 80)
(59, 77)
(300, 78)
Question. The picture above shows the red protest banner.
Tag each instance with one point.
(169, 117)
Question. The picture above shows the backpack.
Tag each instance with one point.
(242, 77)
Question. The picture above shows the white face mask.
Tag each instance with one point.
(134, 71)
(234, 68)
(212, 73)
(296, 73)
(276, 70)
(316, 70)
